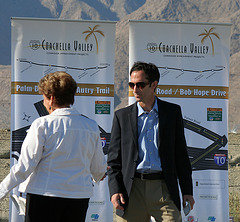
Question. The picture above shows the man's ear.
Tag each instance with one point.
(154, 84)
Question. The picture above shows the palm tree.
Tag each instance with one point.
(92, 32)
(208, 34)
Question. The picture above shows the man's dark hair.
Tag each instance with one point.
(151, 70)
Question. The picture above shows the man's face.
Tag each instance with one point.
(142, 94)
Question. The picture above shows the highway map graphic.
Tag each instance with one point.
(207, 73)
(19, 135)
(200, 158)
(203, 159)
(91, 71)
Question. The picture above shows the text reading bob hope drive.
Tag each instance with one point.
(31, 88)
(211, 92)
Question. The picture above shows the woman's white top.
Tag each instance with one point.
(60, 155)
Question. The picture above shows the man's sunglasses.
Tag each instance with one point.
(139, 85)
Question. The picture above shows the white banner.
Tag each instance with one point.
(193, 60)
(85, 50)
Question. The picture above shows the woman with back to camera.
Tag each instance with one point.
(59, 155)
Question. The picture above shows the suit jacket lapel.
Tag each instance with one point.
(162, 120)
(133, 122)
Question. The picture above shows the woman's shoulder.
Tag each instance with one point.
(88, 123)
(40, 121)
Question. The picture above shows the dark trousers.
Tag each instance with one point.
(55, 209)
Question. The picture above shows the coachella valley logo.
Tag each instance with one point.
(91, 32)
(208, 34)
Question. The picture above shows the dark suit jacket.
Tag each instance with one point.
(123, 151)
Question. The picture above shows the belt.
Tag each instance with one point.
(149, 176)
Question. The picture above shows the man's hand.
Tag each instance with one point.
(116, 199)
(190, 199)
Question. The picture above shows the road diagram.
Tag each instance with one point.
(19, 135)
(90, 71)
(207, 73)
(211, 157)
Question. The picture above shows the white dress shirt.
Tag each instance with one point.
(60, 155)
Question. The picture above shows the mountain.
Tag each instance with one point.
(216, 11)
(65, 9)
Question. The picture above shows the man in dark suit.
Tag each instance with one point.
(147, 156)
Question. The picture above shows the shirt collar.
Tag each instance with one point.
(141, 110)
(65, 111)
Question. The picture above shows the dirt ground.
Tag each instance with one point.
(234, 168)
(4, 169)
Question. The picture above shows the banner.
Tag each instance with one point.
(85, 50)
(193, 60)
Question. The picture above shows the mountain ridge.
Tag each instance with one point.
(214, 11)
